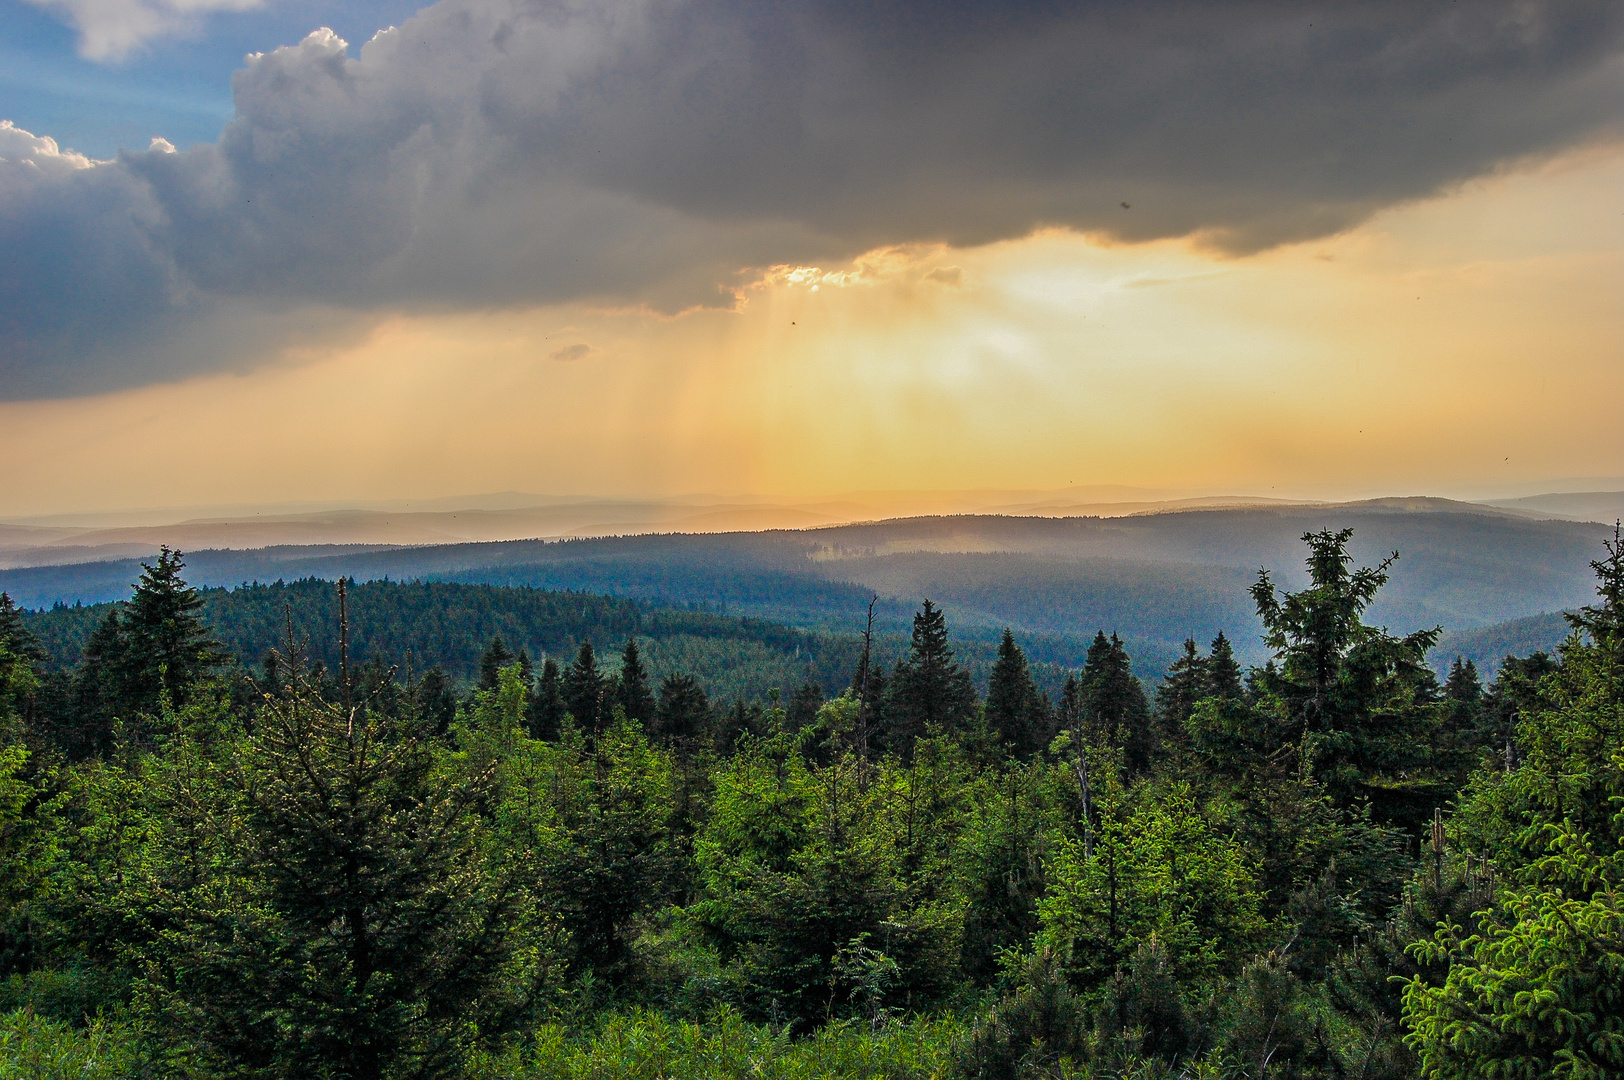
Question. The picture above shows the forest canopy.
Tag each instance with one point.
(382, 830)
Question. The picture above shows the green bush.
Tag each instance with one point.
(40, 1049)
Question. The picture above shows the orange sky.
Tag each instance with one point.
(1471, 343)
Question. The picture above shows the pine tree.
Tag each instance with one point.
(1115, 710)
(548, 709)
(1223, 674)
(636, 699)
(165, 648)
(369, 930)
(1354, 696)
(583, 691)
(1185, 684)
(496, 657)
(1015, 711)
(683, 715)
(928, 692)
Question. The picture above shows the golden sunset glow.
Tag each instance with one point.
(1469, 342)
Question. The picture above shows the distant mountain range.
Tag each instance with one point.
(1154, 577)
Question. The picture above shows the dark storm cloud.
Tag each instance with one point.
(496, 152)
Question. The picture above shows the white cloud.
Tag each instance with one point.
(40, 153)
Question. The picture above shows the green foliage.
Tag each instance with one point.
(1539, 989)
(929, 692)
(1114, 709)
(1159, 870)
(326, 903)
(1016, 712)
(36, 1048)
(343, 875)
(649, 1046)
(1354, 700)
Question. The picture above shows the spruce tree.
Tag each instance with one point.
(95, 691)
(1222, 674)
(164, 647)
(1353, 696)
(583, 691)
(20, 659)
(435, 705)
(1115, 709)
(496, 657)
(683, 715)
(636, 699)
(929, 692)
(547, 711)
(1185, 684)
(802, 711)
(1015, 711)
(1463, 732)
(370, 929)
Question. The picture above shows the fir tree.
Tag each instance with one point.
(636, 699)
(929, 692)
(583, 691)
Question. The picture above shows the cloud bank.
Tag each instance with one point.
(492, 153)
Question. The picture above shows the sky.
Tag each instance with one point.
(314, 250)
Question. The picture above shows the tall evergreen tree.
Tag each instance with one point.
(583, 691)
(929, 692)
(1115, 709)
(1355, 696)
(165, 647)
(548, 709)
(369, 929)
(802, 710)
(435, 704)
(1185, 684)
(636, 699)
(95, 692)
(1015, 710)
(20, 659)
(1463, 732)
(684, 713)
(1223, 674)
(496, 657)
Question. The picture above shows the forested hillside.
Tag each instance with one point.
(1329, 865)
(1155, 579)
(449, 626)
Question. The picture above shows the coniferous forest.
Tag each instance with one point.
(323, 831)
